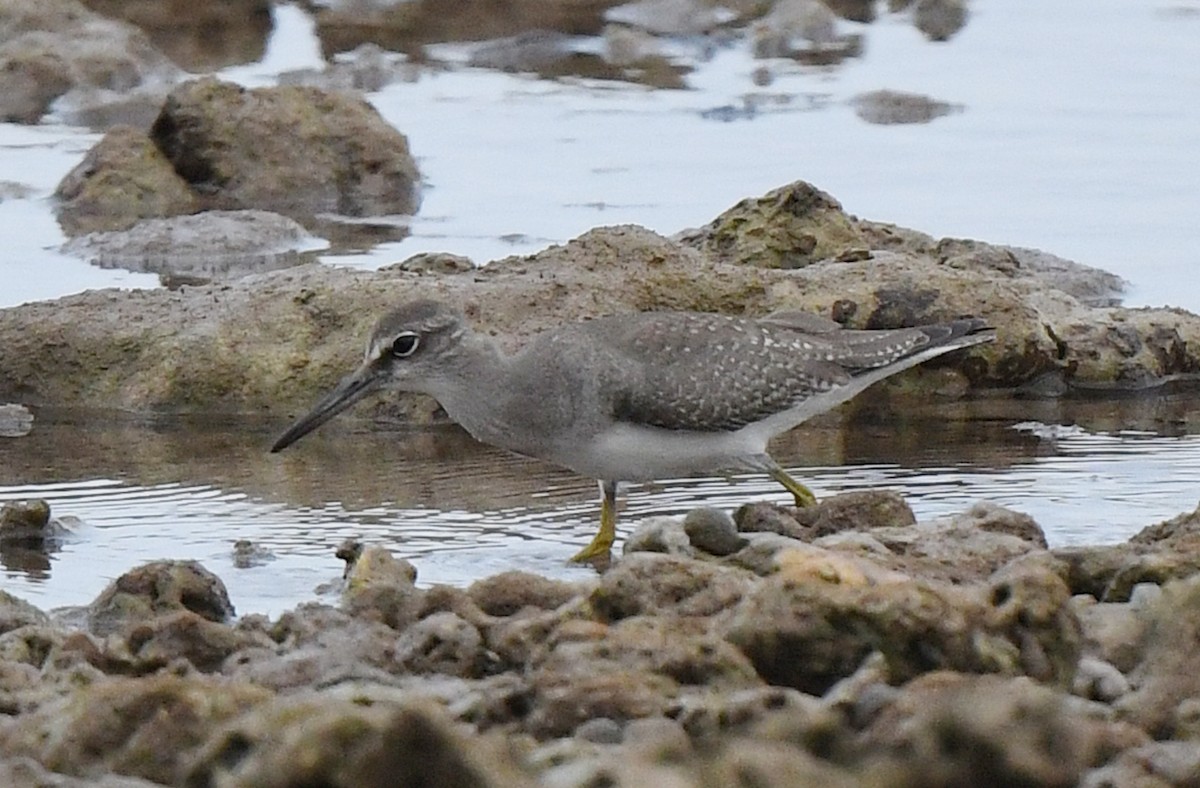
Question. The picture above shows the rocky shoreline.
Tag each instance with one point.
(846, 644)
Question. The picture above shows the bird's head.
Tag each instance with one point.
(408, 349)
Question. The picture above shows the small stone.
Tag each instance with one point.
(24, 520)
(247, 554)
(600, 730)
(1096, 679)
(15, 421)
(712, 531)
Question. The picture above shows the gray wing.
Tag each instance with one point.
(705, 373)
(686, 371)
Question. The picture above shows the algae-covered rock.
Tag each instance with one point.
(790, 227)
(122, 179)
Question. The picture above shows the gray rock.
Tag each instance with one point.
(1096, 679)
(713, 531)
(15, 421)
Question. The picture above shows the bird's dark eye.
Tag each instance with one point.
(405, 345)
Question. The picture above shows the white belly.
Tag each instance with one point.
(625, 452)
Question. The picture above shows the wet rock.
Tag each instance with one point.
(214, 245)
(310, 741)
(379, 587)
(247, 554)
(888, 107)
(368, 68)
(159, 588)
(343, 26)
(511, 592)
(763, 517)
(940, 20)
(58, 50)
(713, 531)
(198, 37)
(646, 583)
(146, 727)
(658, 535)
(1168, 670)
(1089, 285)
(774, 765)
(564, 699)
(670, 17)
(790, 227)
(863, 510)
(24, 520)
(15, 420)
(809, 20)
(516, 639)
(545, 53)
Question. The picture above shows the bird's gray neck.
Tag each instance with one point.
(474, 389)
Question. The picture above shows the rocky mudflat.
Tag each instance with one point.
(845, 645)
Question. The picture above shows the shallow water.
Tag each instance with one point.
(461, 511)
(1079, 134)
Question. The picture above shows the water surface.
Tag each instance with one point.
(461, 511)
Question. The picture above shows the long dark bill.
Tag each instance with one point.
(350, 390)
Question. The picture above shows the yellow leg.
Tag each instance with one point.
(600, 548)
(802, 494)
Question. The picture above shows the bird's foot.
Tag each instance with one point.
(598, 551)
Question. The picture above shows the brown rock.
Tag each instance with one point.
(650, 583)
(510, 592)
(198, 36)
(442, 643)
(950, 730)
(1030, 606)
(146, 727)
(292, 150)
(319, 741)
(204, 644)
(159, 588)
